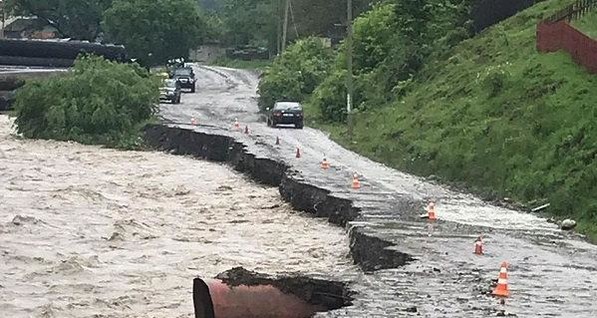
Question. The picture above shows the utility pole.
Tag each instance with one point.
(349, 78)
(278, 27)
(285, 26)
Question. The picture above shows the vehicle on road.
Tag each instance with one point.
(185, 77)
(170, 91)
(286, 113)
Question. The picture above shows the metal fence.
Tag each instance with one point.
(573, 11)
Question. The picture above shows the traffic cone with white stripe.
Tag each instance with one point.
(479, 246)
(356, 184)
(325, 165)
(431, 211)
(501, 289)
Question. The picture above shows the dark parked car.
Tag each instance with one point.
(170, 91)
(185, 77)
(286, 113)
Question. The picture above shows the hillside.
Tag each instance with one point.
(494, 115)
(587, 24)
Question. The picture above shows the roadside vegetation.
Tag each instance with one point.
(97, 102)
(294, 75)
(486, 112)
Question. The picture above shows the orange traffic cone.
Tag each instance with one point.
(501, 289)
(356, 184)
(298, 152)
(277, 140)
(431, 211)
(325, 165)
(236, 124)
(479, 246)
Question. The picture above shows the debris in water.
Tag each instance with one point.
(411, 309)
(224, 188)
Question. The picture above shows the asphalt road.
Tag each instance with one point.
(552, 273)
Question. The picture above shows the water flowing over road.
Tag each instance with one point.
(92, 232)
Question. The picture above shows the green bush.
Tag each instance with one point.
(294, 75)
(97, 102)
(495, 82)
(330, 97)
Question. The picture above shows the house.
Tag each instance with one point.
(29, 28)
(207, 53)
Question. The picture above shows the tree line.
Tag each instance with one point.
(153, 31)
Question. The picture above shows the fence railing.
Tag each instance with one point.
(573, 11)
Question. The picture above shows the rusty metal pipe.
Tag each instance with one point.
(216, 299)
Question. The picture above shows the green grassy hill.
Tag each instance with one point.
(587, 24)
(495, 115)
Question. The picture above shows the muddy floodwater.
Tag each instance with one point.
(92, 232)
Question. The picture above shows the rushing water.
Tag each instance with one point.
(92, 232)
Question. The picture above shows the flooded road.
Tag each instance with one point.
(552, 273)
(91, 232)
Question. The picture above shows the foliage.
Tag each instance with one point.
(72, 18)
(98, 102)
(294, 75)
(155, 31)
(496, 115)
(587, 24)
(249, 22)
(259, 22)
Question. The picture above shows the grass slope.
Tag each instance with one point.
(587, 24)
(498, 117)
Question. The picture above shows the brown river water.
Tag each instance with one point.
(93, 232)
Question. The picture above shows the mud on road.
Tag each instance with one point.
(92, 232)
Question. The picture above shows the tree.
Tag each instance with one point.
(155, 31)
(294, 75)
(250, 21)
(78, 19)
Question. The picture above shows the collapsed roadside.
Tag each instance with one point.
(384, 215)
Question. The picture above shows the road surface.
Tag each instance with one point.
(552, 273)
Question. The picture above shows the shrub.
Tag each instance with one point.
(97, 102)
(294, 75)
(495, 82)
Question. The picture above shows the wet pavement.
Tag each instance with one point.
(552, 273)
(93, 232)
